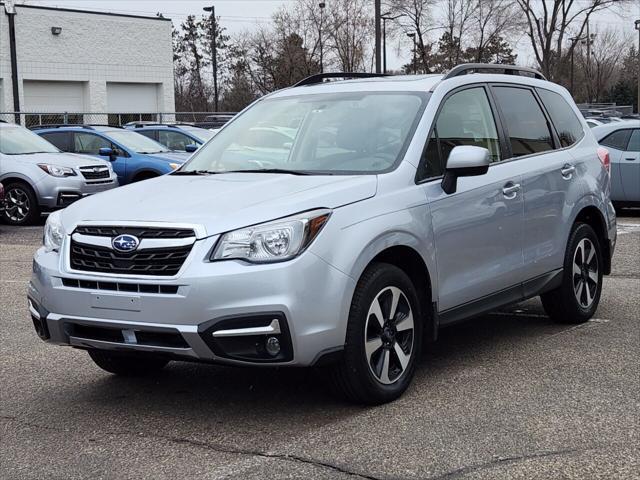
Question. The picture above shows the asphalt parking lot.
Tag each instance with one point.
(509, 395)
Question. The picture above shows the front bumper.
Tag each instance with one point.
(179, 316)
(56, 192)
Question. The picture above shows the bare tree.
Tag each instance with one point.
(350, 33)
(490, 21)
(555, 27)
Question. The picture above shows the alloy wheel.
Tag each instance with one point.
(585, 273)
(389, 335)
(17, 205)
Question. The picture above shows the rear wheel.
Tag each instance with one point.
(21, 205)
(577, 299)
(384, 337)
(127, 364)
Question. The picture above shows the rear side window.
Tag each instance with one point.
(634, 143)
(563, 117)
(148, 133)
(527, 126)
(59, 139)
(464, 119)
(617, 140)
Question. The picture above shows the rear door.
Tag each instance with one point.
(630, 168)
(616, 142)
(549, 177)
(477, 229)
(62, 140)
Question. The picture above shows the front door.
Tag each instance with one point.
(477, 229)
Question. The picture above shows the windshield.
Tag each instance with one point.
(325, 133)
(201, 133)
(136, 142)
(20, 141)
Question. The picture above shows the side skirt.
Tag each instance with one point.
(511, 295)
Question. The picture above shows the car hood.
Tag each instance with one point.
(175, 157)
(220, 202)
(61, 159)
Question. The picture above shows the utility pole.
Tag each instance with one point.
(588, 41)
(214, 54)
(412, 36)
(637, 24)
(384, 18)
(321, 5)
(378, 35)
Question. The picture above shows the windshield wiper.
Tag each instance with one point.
(268, 170)
(194, 172)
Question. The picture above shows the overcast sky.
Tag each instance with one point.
(241, 15)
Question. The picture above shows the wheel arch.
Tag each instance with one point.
(593, 216)
(145, 174)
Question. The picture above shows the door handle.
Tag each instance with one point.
(630, 159)
(510, 190)
(567, 171)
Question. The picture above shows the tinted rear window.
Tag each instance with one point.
(563, 117)
(634, 143)
(617, 140)
(59, 139)
(525, 121)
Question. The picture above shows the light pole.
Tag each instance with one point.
(384, 18)
(412, 36)
(214, 54)
(637, 24)
(377, 22)
(321, 5)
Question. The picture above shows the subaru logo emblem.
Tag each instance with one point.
(125, 243)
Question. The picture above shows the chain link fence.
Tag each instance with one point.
(34, 119)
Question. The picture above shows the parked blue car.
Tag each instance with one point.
(134, 157)
(180, 136)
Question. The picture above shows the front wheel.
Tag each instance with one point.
(21, 205)
(384, 337)
(127, 364)
(577, 299)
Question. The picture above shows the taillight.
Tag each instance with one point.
(603, 155)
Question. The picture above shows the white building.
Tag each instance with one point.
(80, 61)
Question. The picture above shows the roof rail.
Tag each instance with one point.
(319, 77)
(467, 68)
(60, 125)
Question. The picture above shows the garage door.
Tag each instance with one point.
(45, 96)
(132, 97)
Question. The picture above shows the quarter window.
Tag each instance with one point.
(465, 119)
(618, 139)
(563, 117)
(527, 126)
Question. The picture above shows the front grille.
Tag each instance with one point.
(140, 232)
(95, 173)
(157, 261)
(121, 287)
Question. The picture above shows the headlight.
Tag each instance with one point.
(174, 166)
(57, 171)
(53, 232)
(273, 241)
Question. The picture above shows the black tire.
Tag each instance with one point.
(144, 176)
(569, 303)
(20, 197)
(127, 364)
(354, 376)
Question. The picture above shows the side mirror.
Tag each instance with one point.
(190, 148)
(464, 161)
(107, 152)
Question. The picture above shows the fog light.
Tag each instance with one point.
(272, 346)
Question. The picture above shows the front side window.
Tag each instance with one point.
(617, 140)
(465, 119)
(328, 133)
(136, 142)
(20, 141)
(174, 140)
(89, 143)
(634, 142)
(527, 126)
(563, 117)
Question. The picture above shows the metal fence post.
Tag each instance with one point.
(66, 118)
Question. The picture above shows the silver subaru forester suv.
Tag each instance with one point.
(339, 224)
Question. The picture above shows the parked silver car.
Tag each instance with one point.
(400, 206)
(38, 177)
(622, 139)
